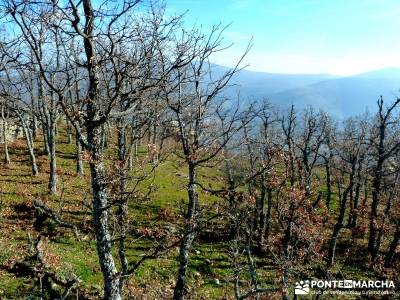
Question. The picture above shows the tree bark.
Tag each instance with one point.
(29, 143)
(33, 110)
(5, 142)
(53, 162)
(51, 133)
(79, 162)
(263, 218)
(100, 217)
(43, 114)
(189, 234)
(94, 129)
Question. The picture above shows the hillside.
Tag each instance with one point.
(152, 217)
(340, 96)
(134, 166)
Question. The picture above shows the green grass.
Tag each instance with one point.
(168, 194)
(160, 210)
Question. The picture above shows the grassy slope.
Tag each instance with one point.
(159, 212)
(18, 189)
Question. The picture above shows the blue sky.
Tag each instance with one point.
(341, 37)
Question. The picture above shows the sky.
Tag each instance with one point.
(342, 37)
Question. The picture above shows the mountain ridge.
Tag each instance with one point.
(342, 96)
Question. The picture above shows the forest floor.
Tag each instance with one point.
(150, 216)
(210, 275)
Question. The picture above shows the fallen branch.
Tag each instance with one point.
(24, 268)
(48, 212)
(35, 266)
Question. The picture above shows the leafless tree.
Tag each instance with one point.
(192, 94)
(351, 151)
(384, 146)
(99, 34)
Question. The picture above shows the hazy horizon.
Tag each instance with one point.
(249, 68)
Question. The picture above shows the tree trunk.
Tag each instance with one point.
(262, 220)
(154, 140)
(33, 108)
(380, 230)
(44, 116)
(100, 215)
(53, 163)
(5, 142)
(190, 234)
(393, 245)
(269, 211)
(69, 133)
(79, 162)
(46, 148)
(55, 125)
(51, 133)
(121, 141)
(34, 125)
(94, 130)
(376, 187)
(333, 243)
(376, 184)
(353, 216)
(104, 137)
(328, 184)
(29, 143)
(338, 225)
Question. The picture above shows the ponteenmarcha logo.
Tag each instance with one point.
(302, 287)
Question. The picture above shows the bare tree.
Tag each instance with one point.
(195, 106)
(288, 127)
(384, 146)
(351, 152)
(309, 143)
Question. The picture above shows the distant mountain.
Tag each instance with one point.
(382, 73)
(340, 96)
(260, 84)
(346, 96)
